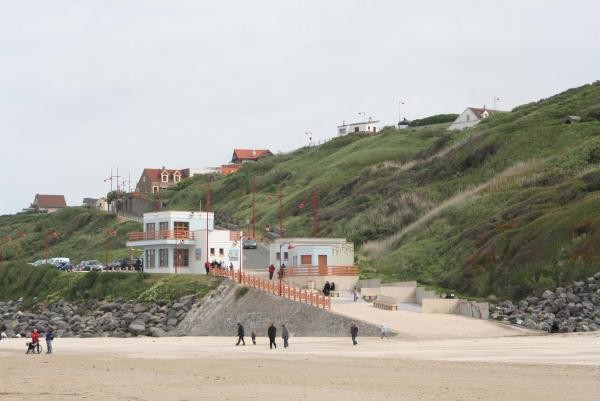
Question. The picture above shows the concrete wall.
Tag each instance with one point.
(370, 283)
(421, 294)
(439, 305)
(342, 283)
(404, 291)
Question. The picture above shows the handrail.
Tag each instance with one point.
(163, 234)
(270, 287)
(321, 271)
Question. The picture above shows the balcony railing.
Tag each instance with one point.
(321, 271)
(165, 234)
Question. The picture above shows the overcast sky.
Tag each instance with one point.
(86, 86)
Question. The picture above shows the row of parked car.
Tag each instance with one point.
(93, 265)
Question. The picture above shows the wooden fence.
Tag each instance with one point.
(276, 287)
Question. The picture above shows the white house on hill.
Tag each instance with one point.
(471, 117)
(365, 126)
(175, 242)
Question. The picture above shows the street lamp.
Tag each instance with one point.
(107, 234)
(280, 274)
(49, 233)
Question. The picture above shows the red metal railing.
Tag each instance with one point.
(274, 287)
(164, 234)
(322, 271)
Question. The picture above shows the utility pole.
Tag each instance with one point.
(207, 211)
(315, 212)
(281, 212)
(254, 208)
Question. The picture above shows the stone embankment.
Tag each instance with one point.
(216, 314)
(574, 308)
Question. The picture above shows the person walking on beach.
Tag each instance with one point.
(355, 294)
(35, 339)
(253, 336)
(49, 339)
(285, 334)
(272, 333)
(240, 333)
(354, 332)
(383, 329)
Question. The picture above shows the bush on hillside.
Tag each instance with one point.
(436, 119)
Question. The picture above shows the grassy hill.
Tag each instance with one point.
(80, 235)
(509, 206)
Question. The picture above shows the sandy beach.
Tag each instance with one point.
(213, 368)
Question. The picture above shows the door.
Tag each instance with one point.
(322, 265)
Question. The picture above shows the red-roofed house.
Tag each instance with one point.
(241, 156)
(155, 179)
(470, 117)
(48, 203)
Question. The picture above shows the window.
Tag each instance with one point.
(150, 258)
(356, 129)
(164, 177)
(221, 252)
(150, 226)
(163, 227)
(285, 256)
(212, 251)
(183, 258)
(176, 176)
(154, 189)
(277, 256)
(163, 256)
(468, 117)
(306, 260)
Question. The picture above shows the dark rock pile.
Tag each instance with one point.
(575, 308)
(115, 319)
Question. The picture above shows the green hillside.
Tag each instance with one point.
(506, 207)
(80, 235)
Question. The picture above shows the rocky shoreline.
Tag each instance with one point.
(112, 319)
(575, 308)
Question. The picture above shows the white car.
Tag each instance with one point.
(38, 262)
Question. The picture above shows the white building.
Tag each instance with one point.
(471, 117)
(175, 242)
(312, 252)
(367, 126)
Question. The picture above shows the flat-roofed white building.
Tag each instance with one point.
(371, 126)
(176, 242)
(312, 261)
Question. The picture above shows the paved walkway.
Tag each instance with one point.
(409, 323)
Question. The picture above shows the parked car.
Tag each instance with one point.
(90, 266)
(38, 262)
(250, 243)
(118, 264)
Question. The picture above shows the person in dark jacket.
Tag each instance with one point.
(326, 289)
(49, 339)
(253, 336)
(272, 333)
(354, 332)
(285, 335)
(240, 334)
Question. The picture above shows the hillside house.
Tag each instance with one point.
(175, 242)
(48, 203)
(241, 156)
(365, 126)
(471, 117)
(153, 180)
(95, 203)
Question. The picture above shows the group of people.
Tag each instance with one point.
(280, 273)
(328, 287)
(217, 265)
(35, 340)
(271, 333)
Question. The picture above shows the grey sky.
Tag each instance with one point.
(86, 86)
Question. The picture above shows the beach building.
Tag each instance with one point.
(309, 262)
(176, 242)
